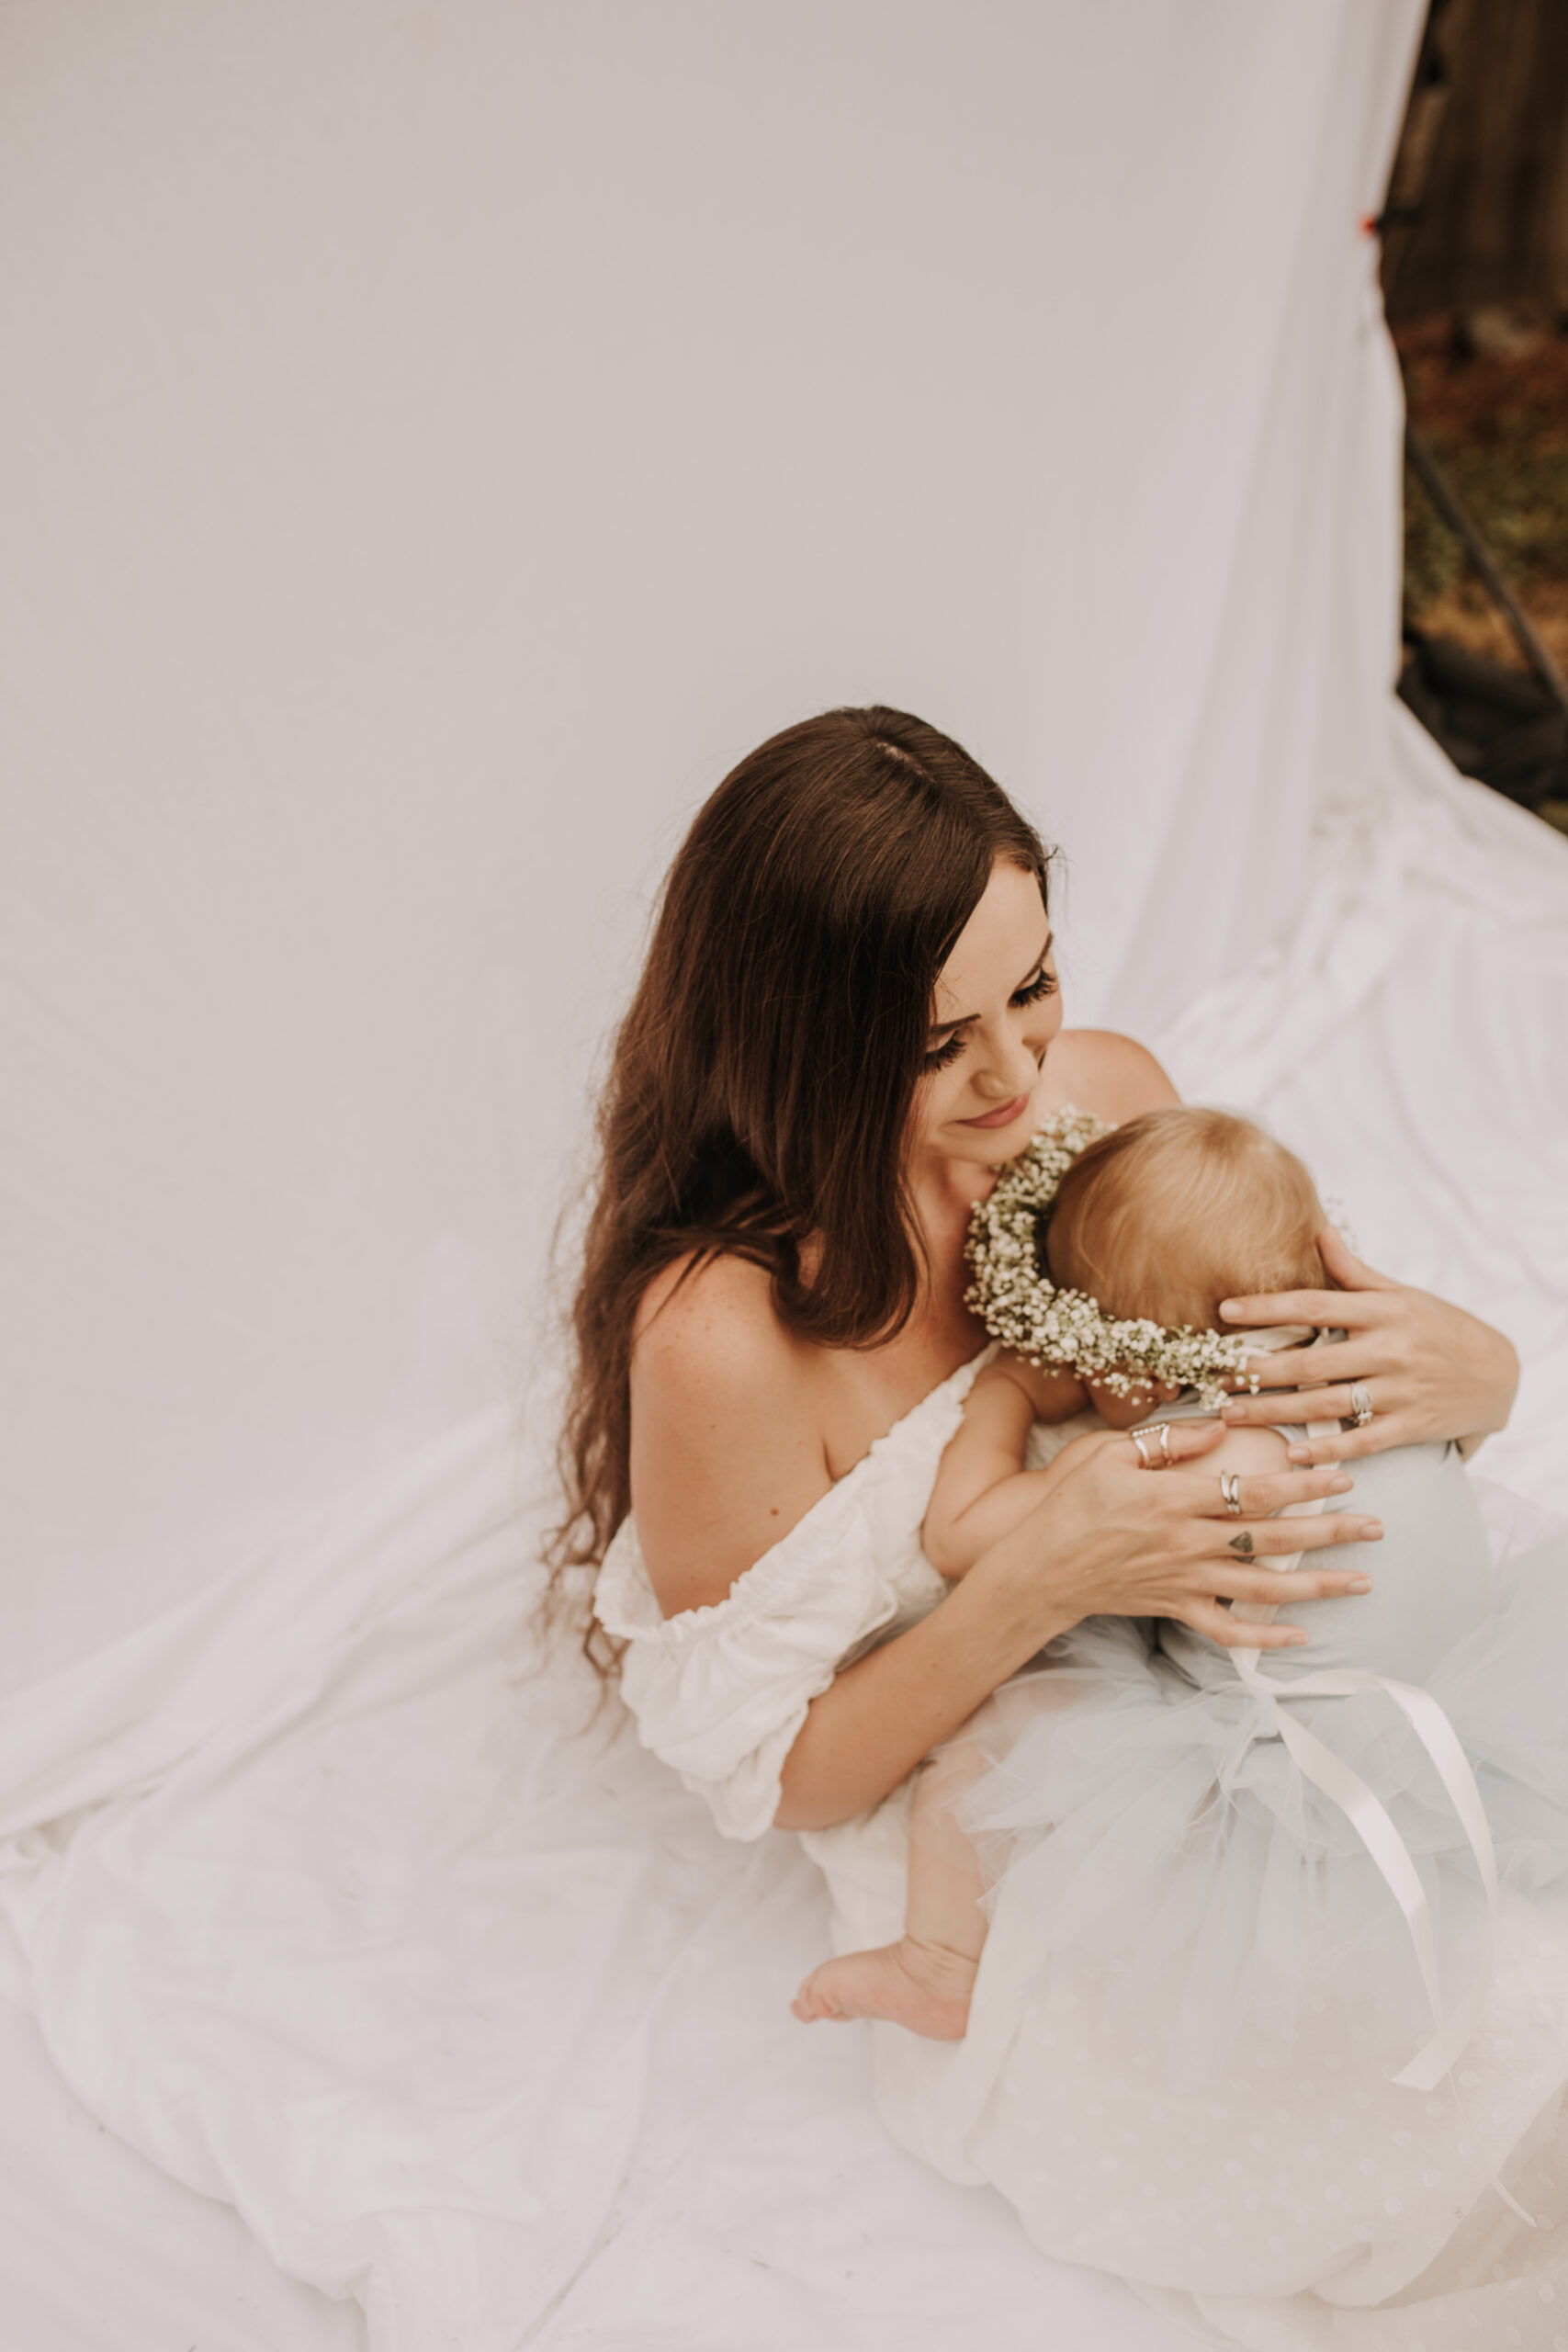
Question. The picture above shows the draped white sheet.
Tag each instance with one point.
(443, 437)
(448, 437)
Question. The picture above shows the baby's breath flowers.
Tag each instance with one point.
(1019, 1304)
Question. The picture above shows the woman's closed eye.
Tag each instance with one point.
(1043, 984)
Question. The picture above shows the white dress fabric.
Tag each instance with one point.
(1180, 2054)
(721, 1693)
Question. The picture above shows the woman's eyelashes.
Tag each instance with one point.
(941, 1057)
(948, 1051)
(1043, 984)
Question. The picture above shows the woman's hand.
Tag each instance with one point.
(1106, 1537)
(1430, 1370)
(1111, 1538)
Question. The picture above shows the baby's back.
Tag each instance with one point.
(1432, 1579)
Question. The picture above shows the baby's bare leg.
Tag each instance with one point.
(922, 1982)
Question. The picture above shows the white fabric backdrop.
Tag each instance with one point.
(449, 436)
(446, 437)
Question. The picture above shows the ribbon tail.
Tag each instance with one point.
(1373, 1824)
(1438, 1737)
(1376, 1830)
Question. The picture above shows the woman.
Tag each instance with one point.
(849, 1018)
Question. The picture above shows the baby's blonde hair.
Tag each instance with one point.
(1179, 1209)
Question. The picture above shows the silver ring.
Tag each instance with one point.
(1230, 1492)
(1156, 1430)
(1361, 1404)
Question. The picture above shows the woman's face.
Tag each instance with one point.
(996, 1011)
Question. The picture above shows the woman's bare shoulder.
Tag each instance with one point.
(1110, 1075)
(727, 1443)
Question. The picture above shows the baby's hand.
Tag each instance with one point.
(1126, 1412)
(1053, 1393)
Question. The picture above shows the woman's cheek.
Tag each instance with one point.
(944, 1091)
(926, 1112)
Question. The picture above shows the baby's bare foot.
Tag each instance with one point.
(924, 1987)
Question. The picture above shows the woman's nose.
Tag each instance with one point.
(1010, 1070)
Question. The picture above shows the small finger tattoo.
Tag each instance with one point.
(1241, 1544)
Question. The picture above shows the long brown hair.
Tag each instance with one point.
(760, 1082)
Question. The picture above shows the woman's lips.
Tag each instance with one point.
(1002, 1118)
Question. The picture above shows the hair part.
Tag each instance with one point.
(1180, 1208)
(760, 1090)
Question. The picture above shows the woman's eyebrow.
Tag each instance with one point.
(963, 1017)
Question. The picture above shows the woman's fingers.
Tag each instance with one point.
(1269, 1407)
(1264, 1539)
(1388, 1386)
(1258, 1492)
(1433, 1370)
(1200, 1494)
(1388, 1394)
(1271, 1589)
(1234, 1633)
(1267, 1491)
(1320, 1306)
(1322, 1366)
(1335, 1310)
(1183, 1441)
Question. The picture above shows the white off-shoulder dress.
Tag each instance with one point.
(1299, 2201)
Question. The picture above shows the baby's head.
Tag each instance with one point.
(1165, 1216)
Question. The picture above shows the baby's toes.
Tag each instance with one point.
(815, 1998)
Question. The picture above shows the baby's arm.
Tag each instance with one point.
(982, 1487)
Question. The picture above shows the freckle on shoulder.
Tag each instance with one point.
(727, 1449)
(711, 1323)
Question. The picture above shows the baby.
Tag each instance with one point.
(1162, 1219)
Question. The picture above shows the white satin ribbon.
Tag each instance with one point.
(1370, 1818)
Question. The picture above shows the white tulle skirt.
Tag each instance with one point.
(1198, 1991)
(1161, 1837)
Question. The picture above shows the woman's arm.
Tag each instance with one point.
(1106, 1537)
(1430, 1370)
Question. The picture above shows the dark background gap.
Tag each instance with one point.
(1475, 283)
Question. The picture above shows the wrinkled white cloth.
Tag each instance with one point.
(328, 1896)
(320, 1903)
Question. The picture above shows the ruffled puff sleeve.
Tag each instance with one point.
(720, 1694)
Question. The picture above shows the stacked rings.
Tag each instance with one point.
(1160, 1430)
(1230, 1492)
(1361, 1404)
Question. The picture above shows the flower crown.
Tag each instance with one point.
(1019, 1304)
